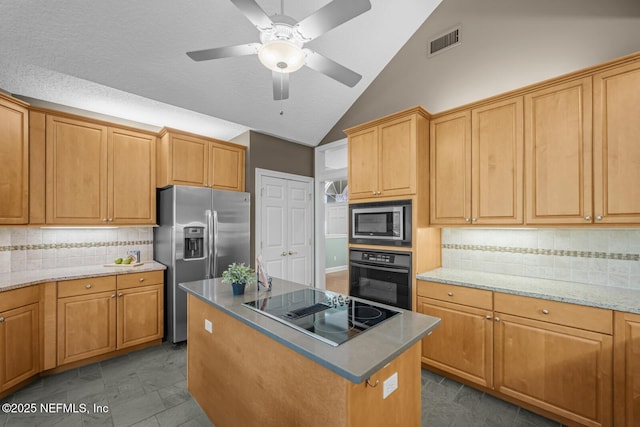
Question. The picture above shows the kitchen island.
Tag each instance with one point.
(245, 368)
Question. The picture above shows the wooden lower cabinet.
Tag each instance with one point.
(626, 370)
(550, 355)
(19, 345)
(563, 370)
(463, 343)
(140, 309)
(86, 318)
(103, 314)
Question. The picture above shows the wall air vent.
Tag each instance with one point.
(445, 41)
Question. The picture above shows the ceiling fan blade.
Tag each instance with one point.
(224, 52)
(254, 13)
(280, 85)
(330, 16)
(338, 72)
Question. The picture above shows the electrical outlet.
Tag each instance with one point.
(208, 326)
(389, 385)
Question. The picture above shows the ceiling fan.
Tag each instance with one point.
(282, 39)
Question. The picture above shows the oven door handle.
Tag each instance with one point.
(375, 267)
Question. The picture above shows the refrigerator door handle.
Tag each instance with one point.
(208, 272)
(215, 243)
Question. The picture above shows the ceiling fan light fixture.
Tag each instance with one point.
(282, 56)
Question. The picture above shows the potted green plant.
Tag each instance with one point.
(239, 275)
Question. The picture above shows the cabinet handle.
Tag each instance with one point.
(1, 319)
(113, 296)
(467, 220)
(292, 252)
(120, 294)
(374, 384)
(474, 219)
(104, 219)
(598, 217)
(488, 317)
(450, 294)
(497, 319)
(142, 279)
(545, 311)
(283, 253)
(88, 286)
(587, 218)
(110, 219)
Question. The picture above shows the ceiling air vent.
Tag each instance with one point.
(445, 41)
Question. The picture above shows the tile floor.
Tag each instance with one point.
(148, 388)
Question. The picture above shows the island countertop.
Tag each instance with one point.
(355, 360)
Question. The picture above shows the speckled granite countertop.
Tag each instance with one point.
(355, 360)
(26, 278)
(577, 293)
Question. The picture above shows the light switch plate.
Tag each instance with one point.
(208, 326)
(389, 385)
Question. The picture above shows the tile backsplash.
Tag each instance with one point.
(24, 249)
(609, 257)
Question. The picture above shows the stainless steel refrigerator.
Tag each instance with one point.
(201, 231)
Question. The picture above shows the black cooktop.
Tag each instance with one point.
(330, 317)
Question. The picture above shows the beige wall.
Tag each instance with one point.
(506, 44)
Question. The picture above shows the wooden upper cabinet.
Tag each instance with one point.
(616, 154)
(14, 161)
(227, 165)
(558, 153)
(384, 155)
(497, 147)
(363, 164)
(187, 159)
(451, 168)
(132, 177)
(98, 174)
(76, 156)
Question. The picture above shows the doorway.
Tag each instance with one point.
(332, 217)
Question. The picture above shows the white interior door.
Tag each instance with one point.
(284, 212)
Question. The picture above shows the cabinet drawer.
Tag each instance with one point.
(86, 286)
(126, 281)
(19, 297)
(457, 294)
(561, 313)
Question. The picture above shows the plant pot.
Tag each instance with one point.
(238, 288)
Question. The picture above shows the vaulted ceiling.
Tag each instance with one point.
(129, 56)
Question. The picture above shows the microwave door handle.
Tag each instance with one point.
(375, 267)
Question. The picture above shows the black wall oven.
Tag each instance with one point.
(381, 223)
(381, 276)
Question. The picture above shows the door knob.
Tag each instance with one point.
(292, 252)
(283, 253)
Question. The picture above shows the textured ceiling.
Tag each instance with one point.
(58, 51)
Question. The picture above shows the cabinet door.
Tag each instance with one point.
(398, 157)
(140, 315)
(227, 167)
(76, 172)
(497, 146)
(463, 343)
(188, 160)
(563, 370)
(363, 164)
(132, 177)
(451, 169)
(86, 326)
(558, 154)
(616, 161)
(626, 368)
(19, 345)
(14, 163)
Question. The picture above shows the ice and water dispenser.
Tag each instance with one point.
(193, 242)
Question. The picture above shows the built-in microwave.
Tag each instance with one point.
(381, 223)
